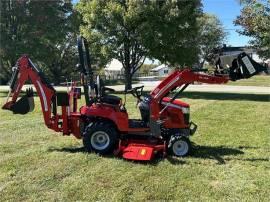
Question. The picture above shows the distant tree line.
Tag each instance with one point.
(44, 30)
(255, 22)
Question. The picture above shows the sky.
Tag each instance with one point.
(226, 11)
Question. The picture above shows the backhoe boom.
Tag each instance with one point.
(23, 71)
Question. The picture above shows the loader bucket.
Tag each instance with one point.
(241, 66)
(24, 105)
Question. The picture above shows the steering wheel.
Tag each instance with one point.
(136, 92)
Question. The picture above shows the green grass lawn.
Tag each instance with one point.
(260, 80)
(230, 159)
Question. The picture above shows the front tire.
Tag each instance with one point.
(100, 137)
(179, 146)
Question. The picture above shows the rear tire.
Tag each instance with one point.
(100, 137)
(179, 146)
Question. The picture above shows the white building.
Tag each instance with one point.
(161, 70)
(114, 68)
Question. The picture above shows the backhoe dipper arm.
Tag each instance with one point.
(26, 70)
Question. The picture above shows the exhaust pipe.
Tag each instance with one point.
(22, 106)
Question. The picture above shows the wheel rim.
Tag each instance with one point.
(180, 148)
(100, 140)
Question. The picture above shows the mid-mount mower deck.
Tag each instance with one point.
(103, 123)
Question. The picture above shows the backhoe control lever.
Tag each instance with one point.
(136, 92)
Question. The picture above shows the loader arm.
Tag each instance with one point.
(25, 70)
(242, 67)
(187, 76)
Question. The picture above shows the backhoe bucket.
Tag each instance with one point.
(23, 105)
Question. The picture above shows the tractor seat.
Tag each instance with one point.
(110, 99)
(144, 107)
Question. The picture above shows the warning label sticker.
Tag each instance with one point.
(248, 64)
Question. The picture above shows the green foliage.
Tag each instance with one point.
(170, 34)
(255, 21)
(211, 36)
(42, 29)
(131, 30)
(145, 69)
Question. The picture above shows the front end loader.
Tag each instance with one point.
(103, 123)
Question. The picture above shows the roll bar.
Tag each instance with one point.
(85, 69)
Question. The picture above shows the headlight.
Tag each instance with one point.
(185, 110)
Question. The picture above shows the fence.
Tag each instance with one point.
(136, 76)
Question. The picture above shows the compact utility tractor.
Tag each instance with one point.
(103, 122)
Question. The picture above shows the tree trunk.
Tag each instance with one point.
(201, 64)
(128, 79)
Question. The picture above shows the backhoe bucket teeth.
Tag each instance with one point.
(23, 105)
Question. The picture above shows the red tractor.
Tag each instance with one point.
(103, 123)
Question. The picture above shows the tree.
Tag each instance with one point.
(211, 36)
(255, 21)
(132, 30)
(146, 68)
(41, 29)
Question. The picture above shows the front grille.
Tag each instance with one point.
(186, 119)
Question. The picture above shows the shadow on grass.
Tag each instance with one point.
(68, 149)
(250, 159)
(227, 96)
(209, 96)
(221, 96)
(215, 152)
(203, 152)
(208, 152)
(154, 162)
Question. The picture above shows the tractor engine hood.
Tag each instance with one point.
(177, 104)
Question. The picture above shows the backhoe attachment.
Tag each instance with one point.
(24, 71)
(24, 105)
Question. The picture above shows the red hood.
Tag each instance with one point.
(176, 102)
